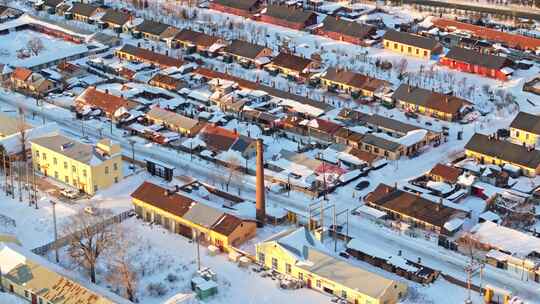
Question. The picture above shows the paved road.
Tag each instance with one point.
(431, 254)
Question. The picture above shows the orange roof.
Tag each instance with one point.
(21, 74)
(448, 173)
(512, 40)
(218, 138)
(106, 102)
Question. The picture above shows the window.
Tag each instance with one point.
(344, 294)
(106, 169)
(425, 53)
(387, 44)
(116, 179)
(73, 168)
(37, 153)
(300, 276)
(517, 133)
(84, 172)
(417, 51)
(395, 45)
(26, 294)
(56, 174)
(95, 188)
(44, 156)
(261, 258)
(526, 135)
(115, 167)
(318, 283)
(66, 178)
(55, 161)
(288, 268)
(274, 263)
(409, 49)
(65, 165)
(40, 301)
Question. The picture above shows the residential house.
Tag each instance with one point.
(411, 44)
(219, 140)
(85, 167)
(415, 210)
(174, 121)
(487, 149)
(348, 31)
(297, 254)
(35, 84)
(509, 249)
(292, 66)
(19, 77)
(430, 103)
(201, 42)
(167, 82)
(244, 8)
(525, 129)
(84, 12)
(52, 6)
(5, 72)
(36, 280)
(115, 19)
(246, 53)
(508, 39)
(322, 129)
(192, 219)
(289, 17)
(470, 61)
(151, 30)
(112, 106)
(130, 52)
(352, 82)
(445, 173)
(9, 13)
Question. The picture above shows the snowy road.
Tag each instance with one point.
(431, 254)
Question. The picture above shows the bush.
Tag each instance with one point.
(156, 289)
(171, 278)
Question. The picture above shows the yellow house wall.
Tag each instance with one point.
(425, 111)
(272, 250)
(74, 173)
(396, 47)
(531, 172)
(524, 137)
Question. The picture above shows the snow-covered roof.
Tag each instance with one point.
(503, 238)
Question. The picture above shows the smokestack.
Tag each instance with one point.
(260, 205)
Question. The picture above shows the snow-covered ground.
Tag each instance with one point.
(6, 298)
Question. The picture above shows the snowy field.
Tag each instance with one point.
(16, 49)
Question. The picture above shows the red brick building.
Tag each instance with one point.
(470, 61)
(289, 17)
(348, 31)
(244, 8)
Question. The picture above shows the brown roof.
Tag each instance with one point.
(108, 103)
(379, 192)
(152, 57)
(227, 224)
(196, 38)
(363, 155)
(429, 99)
(448, 173)
(21, 74)
(353, 79)
(289, 14)
(512, 40)
(167, 80)
(291, 62)
(151, 27)
(349, 28)
(159, 197)
(218, 138)
(246, 5)
(416, 207)
(412, 39)
(244, 49)
(527, 122)
(115, 17)
(83, 9)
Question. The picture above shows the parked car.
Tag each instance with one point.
(362, 185)
(92, 210)
(69, 193)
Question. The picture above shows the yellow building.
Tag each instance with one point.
(180, 214)
(490, 150)
(411, 44)
(38, 281)
(525, 129)
(174, 121)
(85, 167)
(352, 82)
(296, 253)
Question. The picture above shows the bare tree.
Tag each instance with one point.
(21, 129)
(122, 272)
(89, 238)
(233, 168)
(35, 45)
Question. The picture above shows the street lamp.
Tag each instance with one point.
(55, 231)
(132, 143)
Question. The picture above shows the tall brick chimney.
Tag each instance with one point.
(260, 205)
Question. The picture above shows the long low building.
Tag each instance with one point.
(487, 149)
(296, 253)
(36, 280)
(470, 61)
(185, 216)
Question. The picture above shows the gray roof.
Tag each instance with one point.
(527, 122)
(68, 147)
(289, 14)
(504, 150)
(151, 27)
(429, 99)
(53, 3)
(244, 49)
(388, 123)
(83, 9)
(380, 142)
(203, 215)
(476, 58)
(412, 39)
(172, 118)
(10, 125)
(349, 28)
(239, 4)
(115, 17)
(336, 270)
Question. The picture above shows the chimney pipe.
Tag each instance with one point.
(260, 205)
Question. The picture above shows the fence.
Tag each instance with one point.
(65, 240)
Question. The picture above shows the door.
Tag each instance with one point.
(308, 283)
(34, 299)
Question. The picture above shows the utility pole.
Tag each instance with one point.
(132, 143)
(11, 187)
(322, 220)
(335, 228)
(198, 250)
(55, 231)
